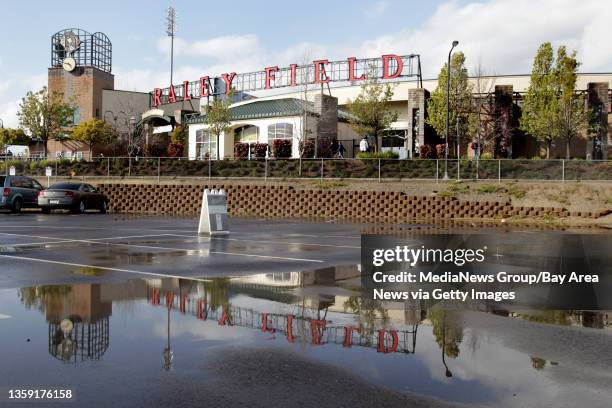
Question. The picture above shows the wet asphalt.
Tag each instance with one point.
(116, 247)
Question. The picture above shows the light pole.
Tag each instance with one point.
(448, 75)
(171, 31)
(1, 124)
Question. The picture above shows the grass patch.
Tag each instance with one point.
(515, 191)
(490, 189)
(328, 184)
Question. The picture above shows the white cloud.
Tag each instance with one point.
(229, 46)
(504, 34)
(8, 113)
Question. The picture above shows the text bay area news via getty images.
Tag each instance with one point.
(431, 264)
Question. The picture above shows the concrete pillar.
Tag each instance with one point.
(416, 120)
(598, 100)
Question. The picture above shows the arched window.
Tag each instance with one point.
(280, 131)
(246, 134)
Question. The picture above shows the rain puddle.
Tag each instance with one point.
(101, 339)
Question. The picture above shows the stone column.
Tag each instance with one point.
(599, 143)
(416, 120)
(326, 109)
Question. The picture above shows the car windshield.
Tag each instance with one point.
(65, 186)
(2, 178)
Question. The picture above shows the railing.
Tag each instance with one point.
(322, 169)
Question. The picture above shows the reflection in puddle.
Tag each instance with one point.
(155, 325)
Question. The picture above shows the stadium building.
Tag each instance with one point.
(295, 103)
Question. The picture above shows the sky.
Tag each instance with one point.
(240, 36)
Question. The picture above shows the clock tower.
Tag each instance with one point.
(81, 70)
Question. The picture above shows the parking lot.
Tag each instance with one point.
(51, 248)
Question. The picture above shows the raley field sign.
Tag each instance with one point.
(386, 67)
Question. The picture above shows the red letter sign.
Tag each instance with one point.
(320, 77)
(293, 72)
(317, 328)
(351, 68)
(290, 328)
(204, 87)
(228, 78)
(186, 95)
(171, 95)
(270, 76)
(157, 97)
(382, 348)
(348, 335)
(398, 71)
(225, 319)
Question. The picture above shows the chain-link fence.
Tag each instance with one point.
(268, 168)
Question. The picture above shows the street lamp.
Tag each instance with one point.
(448, 75)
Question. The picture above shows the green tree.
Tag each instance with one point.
(540, 105)
(461, 118)
(45, 115)
(218, 117)
(371, 112)
(92, 132)
(572, 113)
(12, 137)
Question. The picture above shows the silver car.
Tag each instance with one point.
(76, 197)
(18, 192)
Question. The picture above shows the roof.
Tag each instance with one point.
(271, 108)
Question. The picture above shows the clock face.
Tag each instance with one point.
(69, 64)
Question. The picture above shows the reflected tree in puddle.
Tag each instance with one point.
(447, 330)
(41, 297)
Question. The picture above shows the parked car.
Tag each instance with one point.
(76, 197)
(19, 192)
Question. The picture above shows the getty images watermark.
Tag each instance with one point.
(542, 270)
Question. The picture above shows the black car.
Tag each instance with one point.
(19, 192)
(76, 197)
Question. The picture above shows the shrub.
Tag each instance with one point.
(307, 149)
(241, 150)
(536, 158)
(440, 150)
(281, 148)
(486, 156)
(260, 150)
(175, 150)
(178, 136)
(377, 155)
(427, 152)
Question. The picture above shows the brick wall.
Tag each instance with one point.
(288, 202)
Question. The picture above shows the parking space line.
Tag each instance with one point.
(97, 242)
(273, 242)
(63, 240)
(106, 268)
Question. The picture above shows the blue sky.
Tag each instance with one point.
(245, 35)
